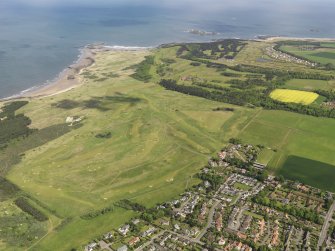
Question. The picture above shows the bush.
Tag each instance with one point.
(25, 206)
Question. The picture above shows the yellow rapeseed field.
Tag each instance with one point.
(294, 96)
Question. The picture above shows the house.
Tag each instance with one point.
(108, 236)
(222, 155)
(149, 232)
(124, 229)
(218, 222)
(91, 246)
(133, 241)
(222, 241)
(165, 222)
(136, 221)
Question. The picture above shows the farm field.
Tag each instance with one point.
(310, 84)
(320, 174)
(294, 96)
(322, 55)
(289, 134)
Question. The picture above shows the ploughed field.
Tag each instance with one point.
(133, 136)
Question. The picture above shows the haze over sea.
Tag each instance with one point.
(39, 38)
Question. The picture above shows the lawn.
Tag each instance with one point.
(294, 96)
(241, 186)
(256, 216)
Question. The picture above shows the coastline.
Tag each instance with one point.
(280, 38)
(69, 78)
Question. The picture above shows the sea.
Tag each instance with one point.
(39, 38)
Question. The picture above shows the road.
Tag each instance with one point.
(150, 242)
(209, 220)
(325, 226)
(187, 238)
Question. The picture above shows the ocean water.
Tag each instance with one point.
(40, 38)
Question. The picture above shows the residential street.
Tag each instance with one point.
(325, 226)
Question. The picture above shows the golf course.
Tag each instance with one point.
(136, 138)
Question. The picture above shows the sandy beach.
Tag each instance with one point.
(69, 77)
(278, 38)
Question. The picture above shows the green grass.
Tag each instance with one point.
(330, 44)
(256, 216)
(309, 84)
(265, 156)
(160, 139)
(322, 55)
(293, 134)
(328, 55)
(314, 173)
(241, 186)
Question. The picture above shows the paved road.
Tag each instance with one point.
(187, 238)
(326, 225)
(209, 220)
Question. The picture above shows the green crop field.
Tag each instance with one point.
(294, 96)
(289, 134)
(322, 55)
(310, 84)
(319, 174)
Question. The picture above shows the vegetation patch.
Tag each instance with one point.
(308, 171)
(13, 126)
(104, 103)
(294, 96)
(104, 135)
(7, 189)
(97, 213)
(25, 206)
(142, 71)
(18, 229)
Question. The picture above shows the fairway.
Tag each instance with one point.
(142, 142)
(294, 96)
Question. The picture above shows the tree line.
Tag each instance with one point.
(247, 97)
